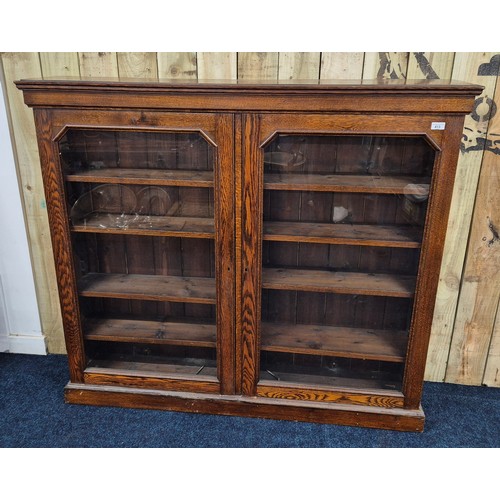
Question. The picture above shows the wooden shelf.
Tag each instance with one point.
(149, 287)
(190, 178)
(344, 183)
(345, 234)
(152, 225)
(150, 332)
(356, 343)
(386, 285)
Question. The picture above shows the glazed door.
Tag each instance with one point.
(147, 217)
(334, 217)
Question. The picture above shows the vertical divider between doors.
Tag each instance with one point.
(238, 172)
(225, 251)
(251, 231)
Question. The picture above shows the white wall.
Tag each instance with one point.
(20, 328)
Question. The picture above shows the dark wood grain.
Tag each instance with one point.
(262, 407)
(152, 376)
(277, 390)
(251, 203)
(282, 220)
(238, 255)
(61, 244)
(266, 86)
(225, 266)
(422, 96)
(430, 262)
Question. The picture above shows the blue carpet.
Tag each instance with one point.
(34, 415)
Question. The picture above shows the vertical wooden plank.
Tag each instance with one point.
(217, 65)
(225, 251)
(340, 309)
(98, 64)
(181, 65)
(466, 68)
(168, 262)
(492, 372)
(386, 65)
(480, 289)
(342, 65)
(16, 66)
(430, 65)
(258, 65)
(299, 65)
(196, 261)
(251, 229)
(137, 64)
(238, 267)
(310, 308)
(397, 313)
(57, 64)
(370, 312)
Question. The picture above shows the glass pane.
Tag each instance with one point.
(329, 371)
(141, 209)
(343, 222)
(86, 150)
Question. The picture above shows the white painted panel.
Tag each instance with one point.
(20, 304)
(4, 325)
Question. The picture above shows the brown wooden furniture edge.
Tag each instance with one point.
(381, 418)
(256, 85)
(238, 96)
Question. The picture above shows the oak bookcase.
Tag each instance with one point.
(266, 249)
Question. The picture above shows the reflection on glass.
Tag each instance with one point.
(97, 150)
(141, 209)
(343, 218)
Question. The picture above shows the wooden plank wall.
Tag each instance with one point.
(465, 341)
